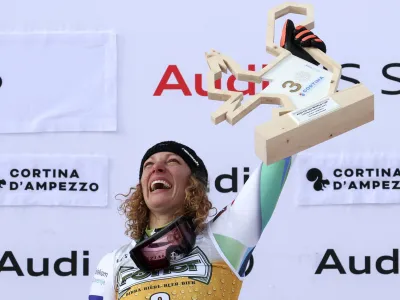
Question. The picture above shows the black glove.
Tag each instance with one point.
(294, 39)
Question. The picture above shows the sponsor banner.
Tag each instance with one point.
(168, 89)
(346, 178)
(61, 180)
(72, 263)
(336, 262)
(58, 82)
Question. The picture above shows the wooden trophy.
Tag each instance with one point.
(311, 109)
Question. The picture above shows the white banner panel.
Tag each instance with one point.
(58, 82)
(61, 180)
(347, 178)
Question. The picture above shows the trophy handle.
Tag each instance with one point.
(276, 50)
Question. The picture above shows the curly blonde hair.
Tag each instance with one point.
(196, 206)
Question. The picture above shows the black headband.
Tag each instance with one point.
(194, 162)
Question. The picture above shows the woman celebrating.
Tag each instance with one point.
(175, 253)
(172, 255)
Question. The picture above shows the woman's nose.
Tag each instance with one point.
(158, 167)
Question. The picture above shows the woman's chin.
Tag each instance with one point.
(159, 199)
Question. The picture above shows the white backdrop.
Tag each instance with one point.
(150, 37)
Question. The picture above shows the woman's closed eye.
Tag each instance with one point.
(148, 164)
(173, 160)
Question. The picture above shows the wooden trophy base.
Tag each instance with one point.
(283, 136)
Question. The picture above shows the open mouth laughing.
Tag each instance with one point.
(159, 185)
